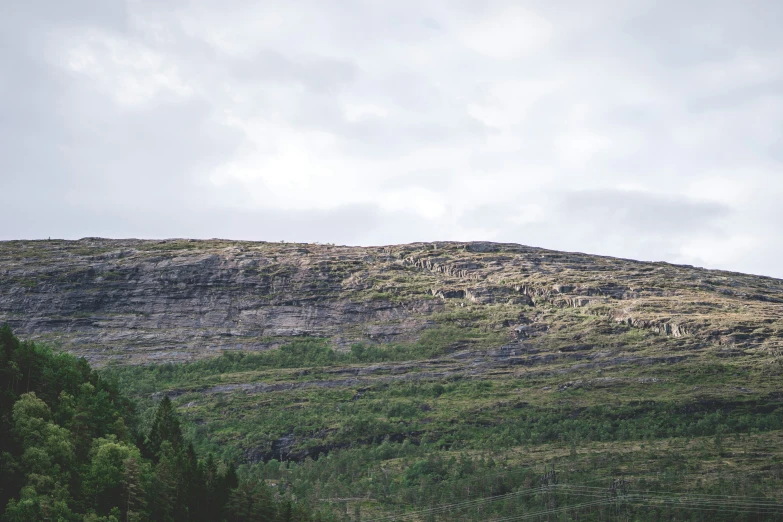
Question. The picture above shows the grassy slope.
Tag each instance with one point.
(709, 424)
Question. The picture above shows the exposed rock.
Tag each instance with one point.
(134, 301)
(664, 326)
(497, 294)
(449, 293)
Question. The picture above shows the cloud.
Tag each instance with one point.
(642, 213)
(625, 223)
(321, 75)
(639, 129)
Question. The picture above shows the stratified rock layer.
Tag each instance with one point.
(140, 301)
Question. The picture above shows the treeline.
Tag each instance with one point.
(72, 449)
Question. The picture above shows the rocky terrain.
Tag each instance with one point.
(174, 300)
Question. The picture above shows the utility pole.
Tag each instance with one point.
(618, 491)
(548, 482)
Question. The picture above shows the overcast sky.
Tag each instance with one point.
(642, 129)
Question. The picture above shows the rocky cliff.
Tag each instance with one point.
(137, 301)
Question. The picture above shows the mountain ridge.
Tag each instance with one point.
(196, 295)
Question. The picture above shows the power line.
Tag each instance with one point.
(724, 503)
(552, 511)
(576, 486)
(460, 505)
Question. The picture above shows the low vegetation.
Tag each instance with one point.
(305, 419)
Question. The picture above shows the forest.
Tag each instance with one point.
(72, 448)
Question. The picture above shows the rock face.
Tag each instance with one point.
(139, 301)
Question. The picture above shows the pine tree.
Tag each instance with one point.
(212, 486)
(191, 484)
(135, 500)
(165, 427)
(164, 485)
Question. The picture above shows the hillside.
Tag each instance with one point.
(141, 301)
(389, 358)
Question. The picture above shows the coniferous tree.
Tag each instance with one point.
(165, 427)
(69, 451)
(165, 501)
(132, 482)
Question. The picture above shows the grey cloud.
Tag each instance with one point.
(738, 97)
(497, 216)
(432, 179)
(629, 224)
(67, 146)
(608, 213)
(99, 151)
(642, 212)
(578, 238)
(320, 74)
(39, 16)
(395, 135)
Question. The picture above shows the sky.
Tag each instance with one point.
(641, 129)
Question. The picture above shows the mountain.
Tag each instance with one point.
(175, 300)
(395, 356)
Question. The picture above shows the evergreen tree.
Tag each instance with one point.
(165, 427)
(69, 451)
(165, 501)
(251, 500)
(132, 483)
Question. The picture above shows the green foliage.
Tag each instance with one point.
(391, 440)
(304, 353)
(165, 428)
(115, 470)
(301, 353)
(76, 450)
(70, 450)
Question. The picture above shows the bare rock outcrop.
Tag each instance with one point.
(172, 300)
